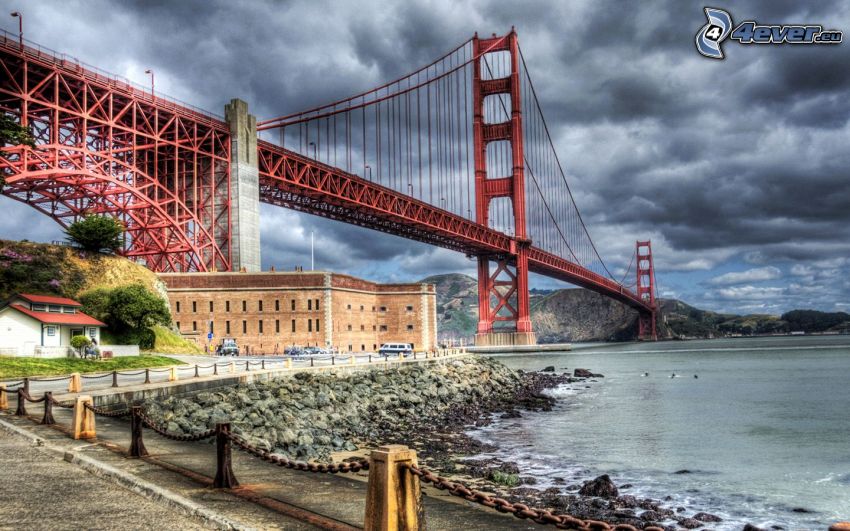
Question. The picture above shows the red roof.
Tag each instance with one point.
(48, 299)
(78, 318)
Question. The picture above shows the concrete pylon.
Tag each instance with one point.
(244, 187)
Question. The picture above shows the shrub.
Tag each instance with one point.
(80, 342)
(96, 233)
(502, 478)
(96, 303)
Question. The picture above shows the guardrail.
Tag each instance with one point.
(76, 380)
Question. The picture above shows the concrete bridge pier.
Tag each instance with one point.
(244, 187)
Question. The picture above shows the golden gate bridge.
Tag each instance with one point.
(457, 154)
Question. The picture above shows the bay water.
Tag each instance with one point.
(762, 431)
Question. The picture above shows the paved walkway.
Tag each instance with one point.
(269, 497)
(42, 491)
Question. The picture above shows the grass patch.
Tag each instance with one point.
(502, 478)
(19, 367)
(168, 342)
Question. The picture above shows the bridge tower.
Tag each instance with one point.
(646, 290)
(503, 307)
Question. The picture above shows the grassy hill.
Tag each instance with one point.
(27, 267)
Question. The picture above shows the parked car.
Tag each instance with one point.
(227, 347)
(396, 349)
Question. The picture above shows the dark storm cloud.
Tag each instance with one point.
(745, 157)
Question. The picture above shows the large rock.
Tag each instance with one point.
(601, 486)
(582, 373)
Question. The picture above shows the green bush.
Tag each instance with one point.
(503, 478)
(96, 303)
(80, 342)
(133, 307)
(96, 233)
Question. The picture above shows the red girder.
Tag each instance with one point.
(105, 146)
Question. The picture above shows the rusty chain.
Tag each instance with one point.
(522, 511)
(50, 379)
(21, 382)
(149, 422)
(60, 404)
(87, 377)
(105, 413)
(29, 397)
(278, 460)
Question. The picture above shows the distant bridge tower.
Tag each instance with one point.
(646, 290)
(502, 293)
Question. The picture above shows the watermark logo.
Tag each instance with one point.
(719, 28)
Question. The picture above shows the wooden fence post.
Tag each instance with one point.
(75, 385)
(22, 403)
(393, 501)
(232, 367)
(83, 423)
(48, 409)
(172, 375)
(288, 363)
(4, 397)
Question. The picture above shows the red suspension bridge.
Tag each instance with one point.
(457, 154)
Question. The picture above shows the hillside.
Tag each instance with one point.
(572, 315)
(27, 267)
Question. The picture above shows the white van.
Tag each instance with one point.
(392, 349)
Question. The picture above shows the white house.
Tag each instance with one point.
(42, 325)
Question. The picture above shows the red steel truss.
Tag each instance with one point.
(104, 146)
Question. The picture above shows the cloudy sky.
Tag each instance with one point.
(736, 169)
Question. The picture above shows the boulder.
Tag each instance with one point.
(582, 373)
(550, 368)
(707, 517)
(690, 523)
(601, 486)
(751, 527)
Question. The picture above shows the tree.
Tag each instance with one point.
(80, 342)
(96, 303)
(12, 134)
(96, 233)
(135, 308)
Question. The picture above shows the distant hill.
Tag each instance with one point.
(573, 315)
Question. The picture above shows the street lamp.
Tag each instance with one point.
(149, 71)
(20, 16)
(370, 171)
(314, 150)
(410, 189)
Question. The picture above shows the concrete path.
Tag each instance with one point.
(269, 497)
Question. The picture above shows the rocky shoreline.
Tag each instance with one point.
(429, 407)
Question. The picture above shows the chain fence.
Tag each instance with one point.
(279, 460)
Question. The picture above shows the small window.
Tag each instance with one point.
(410, 308)
(374, 346)
(260, 305)
(212, 327)
(373, 308)
(244, 306)
(177, 307)
(362, 328)
(55, 309)
(361, 307)
(309, 325)
(277, 326)
(317, 305)
(349, 348)
(211, 307)
(383, 308)
(317, 325)
(293, 325)
(349, 328)
(51, 330)
(349, 307)
(362, 348)
(194, 306)
(277, 305)
(244, 327)
(177, 324)
(69, 309)
(383, 328)
(227, 306)
(293, 306)
(39, 307)
(409, 328)
(309, 304)
(374, 328)
(194, 326)
(227, 327)
(260, 326)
